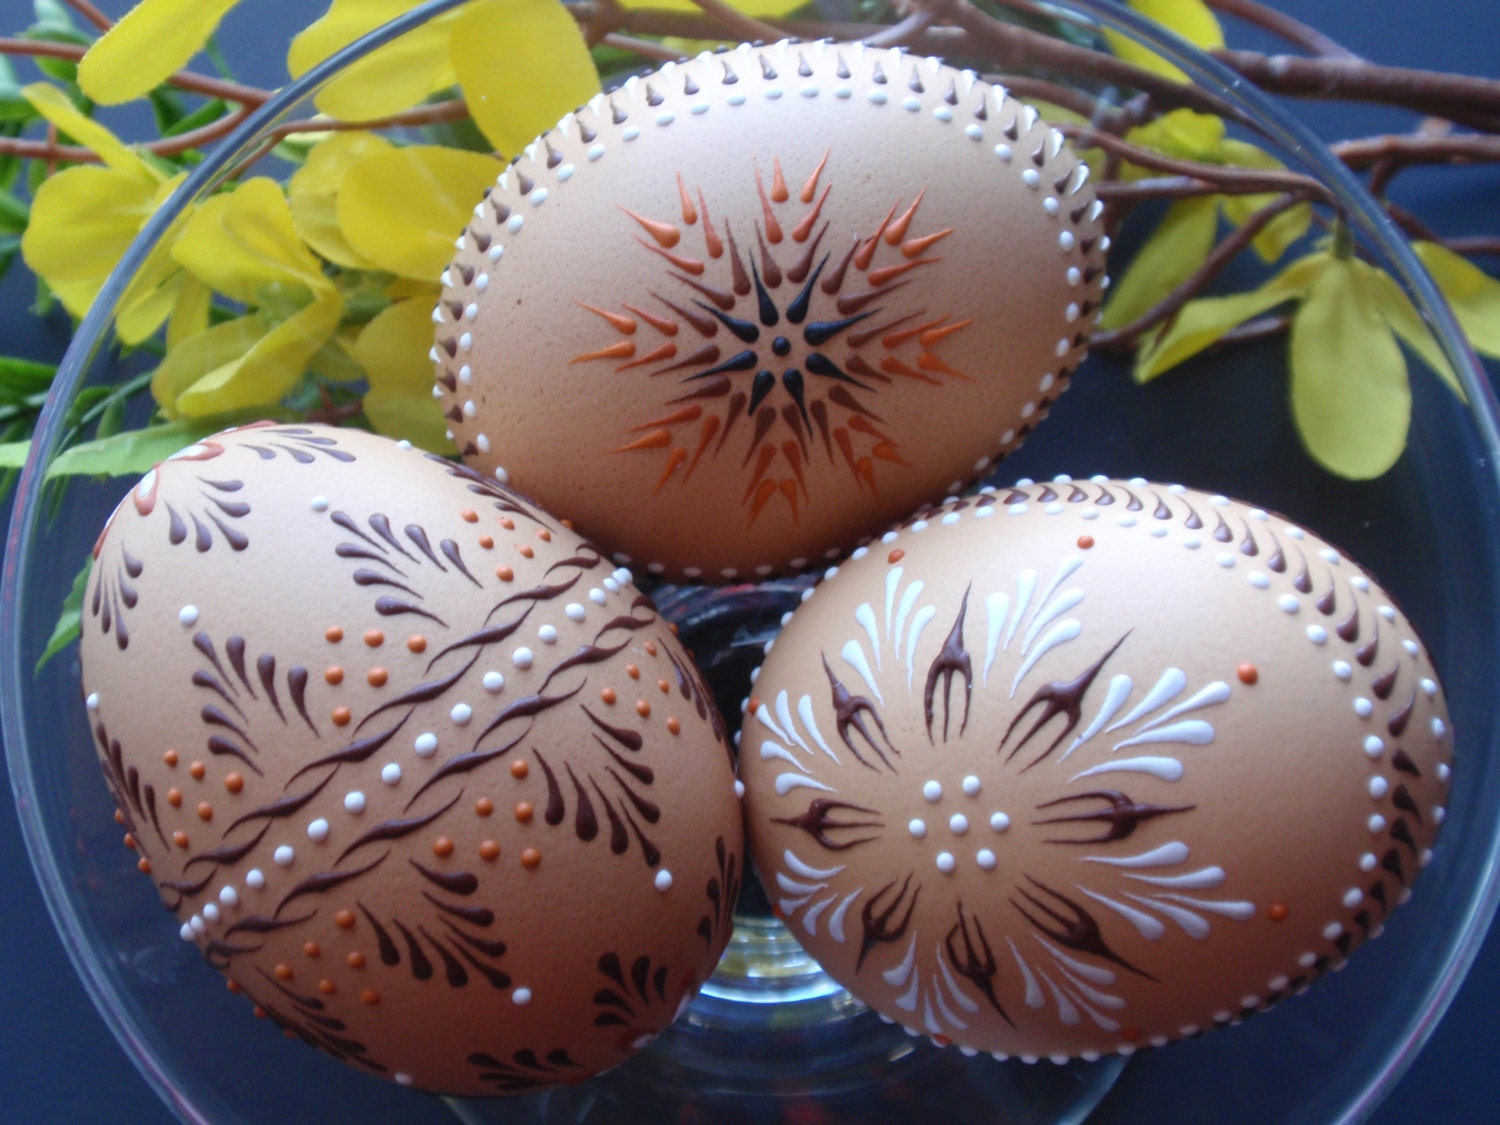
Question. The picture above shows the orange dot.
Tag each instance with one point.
(1278, 912)
(174, 797)
(327, 987)
(416, 643)
(469, 515)
(524, 812)
(488, 849)
(258, 1012)
(369, 996)
(180, 838)
(632, 671)
(1084, 543)
(170, 757)
(1248, 673)
(344, 919)
(144, 866)
(130, 841)
(519, 769)
(312, 949)
(643, 708)
(504, 573)
(333, 634)
(374, 638)
(119, 816)
(234, 783)
(486, 541)
(355, 960)
(567, 524)
(334, 674)
(650, 647)
(895, 556)
(672, 628)
(507, 523)
(442, 846)
(341, 716)
(232, 985)
(484, 806)
(197, 769)
(663, 687)
(205, 811)
(530, 857)
(525, 550)
(674, 724)
(753, 704)
(544, 535)
(283, 972)
(608, 695)
(377, 677)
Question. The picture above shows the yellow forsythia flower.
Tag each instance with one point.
(393, 349)
(152, 40)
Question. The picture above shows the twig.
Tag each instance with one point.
(50, 150)
(1288, 27)
(1262, 328)
(1418, 148)
(743, 26)
(183, 79)
(91, 13)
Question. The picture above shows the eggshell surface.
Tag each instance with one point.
(743, 311)
(1070, 769)
(414, 765)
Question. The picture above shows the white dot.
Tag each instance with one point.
(522, 658)
(425, 745)
(739, 788)
(403, 1079)
(1376, 824)
(283, 856)
(971, 786)
(958, 823)
(317, 831)
(547, 634)
(1342, 670)
(354, 802)
(210, 912)
(575, 612)
(1439, 728)
(197, 924)
(999, 822)
(1439, 814)
(1332, 931)
(255, 878)
(391, 774)
(986, 859)
(917, 827)
(1259, 579)
(933, 792)
(521, 996)
(1368, 862)
(1429, 688)
(188, 614)
(319, 503)
(1317, 634)
(663, 880)
(493, 682)
(1307, 960)
(1363, 707)
(1379, 787)
(946, 863)
(229, 897)
(461, 714)
(598, 596)
(1289, 603)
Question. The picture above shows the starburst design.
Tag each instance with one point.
(777, 364)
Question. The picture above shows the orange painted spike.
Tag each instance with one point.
(622, 350)
(866, 252)
(662, 324)
(894, 340)
(897, 229)
(690, 413)
(914, 247)
(793, 454)
(889, 273)
(933, 335)
(674, 462)
(810, 188)
(766, 490)
(887, 452)
(664, 351)
(620, 322)
(689, 214)
(666, 234)
(802, 231)
(789, 490)
(711, 237)
(866, 469)
(766, 455)
(929, 362)
(656, 439)
(846, 447)
(710, 428)
(860, 424)
(778, 182)
(688, 265)
(893, 366)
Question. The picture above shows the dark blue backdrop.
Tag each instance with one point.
(58, 1063)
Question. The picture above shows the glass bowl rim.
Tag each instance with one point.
(1275, 122)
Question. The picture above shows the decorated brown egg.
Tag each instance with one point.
(1074, 768)
(415, 766)
(740, 313)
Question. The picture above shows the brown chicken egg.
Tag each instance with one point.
(414, 765)
(1069, 769)
(746, 310)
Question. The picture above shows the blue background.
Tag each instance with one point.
(59, 1063)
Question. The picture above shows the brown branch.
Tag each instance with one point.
(743, 26)
(183, 79)
(646, 48)
(1216, 262)
(1262, 328)
(91, 13)
(1288, 27)
(51, 151)
(1418, 148)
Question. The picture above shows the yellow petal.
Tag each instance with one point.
(190, 311)
(1473, 295)
(54, 106)
(522, 64)
(153, 39)
(1183, 133)
(393, 351)
(200, 355)
(1385, 296)
(1350, 397)
(396, 77)
(403, 208)
(313, 192)
(1191, 19)
(245, 240)
(1172, 254)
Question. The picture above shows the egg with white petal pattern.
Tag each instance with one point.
(1070, 769)
(416, 767)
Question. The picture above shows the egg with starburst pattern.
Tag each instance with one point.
(744, 311)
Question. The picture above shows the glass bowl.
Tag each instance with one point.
(771, 1038)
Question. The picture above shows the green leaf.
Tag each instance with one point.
(13, 454)
(1390, 301)
(206, 114)
(1472, 294)
(65, 632)
(23, 379)
(1169, 257)
(1351, 401)
(1203, 322)
(133, 452)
